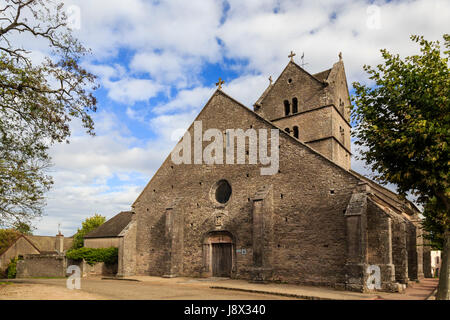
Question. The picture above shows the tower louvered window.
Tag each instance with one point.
(287, 108)
(294, 105)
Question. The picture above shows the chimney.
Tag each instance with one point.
(59, 242)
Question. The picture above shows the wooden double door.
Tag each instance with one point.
(222, 256)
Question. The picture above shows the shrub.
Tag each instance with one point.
(11, 271)
(94, 255)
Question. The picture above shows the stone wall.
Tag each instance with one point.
(37, 265)
(312, 124)
(338, 89)
(413, 264)
(399, 251)
(101, 242)
(379, 228)
(98, 269)
(427, 270)
(293, 82)
(40, 265)
(324, 130)
(127, 250)
(310, 196)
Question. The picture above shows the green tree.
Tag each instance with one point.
(11, 270)
(7, 238)
(87, 226)
(37, 101)
(23, 228)
(403, 122)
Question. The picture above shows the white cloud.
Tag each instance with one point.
(192, 99)
(254, 32)
(102, 174)
(167, 67)
(247, 89)
(71, 205)
(129, 90)
(170, 125)
(122, 87)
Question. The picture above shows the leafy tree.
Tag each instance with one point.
(87, 226)
(23, 228)
(403, 122)
(7, 237)
(37, 101)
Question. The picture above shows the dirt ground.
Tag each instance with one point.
(28, 291)
(97, 289)
(157, 288)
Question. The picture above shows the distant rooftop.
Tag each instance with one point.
(113, 227)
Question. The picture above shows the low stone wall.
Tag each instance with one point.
(98, 269)
(40, 265)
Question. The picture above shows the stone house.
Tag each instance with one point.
(315, 221)
(35, 245)
(436, 261)
(108, 234)
(114, 233)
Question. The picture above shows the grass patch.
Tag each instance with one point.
(5, 283)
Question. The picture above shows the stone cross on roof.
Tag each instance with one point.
(291, 55)
(220, 83)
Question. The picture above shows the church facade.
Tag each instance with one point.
(314, 221)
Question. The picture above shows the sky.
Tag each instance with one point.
(157, 64)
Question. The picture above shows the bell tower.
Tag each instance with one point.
(313, 108)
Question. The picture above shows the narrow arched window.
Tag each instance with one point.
(287, 108)
(296, 132)
(294, 105)
(288, 130)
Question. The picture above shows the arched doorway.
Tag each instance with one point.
(218, 251)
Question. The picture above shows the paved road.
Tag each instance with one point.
(132, 290)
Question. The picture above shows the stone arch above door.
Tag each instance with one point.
(218, 254)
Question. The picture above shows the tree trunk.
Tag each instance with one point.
(444, 272)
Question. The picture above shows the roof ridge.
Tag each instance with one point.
(109, 228)
(390, 192)
(323, 72)
(269, 88)
(264, 94)
(312, 76)
(21, 236)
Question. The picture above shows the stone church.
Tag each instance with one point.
(313, 222)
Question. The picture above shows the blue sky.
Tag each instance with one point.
(158, 62)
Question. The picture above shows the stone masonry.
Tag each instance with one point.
(314, 222)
